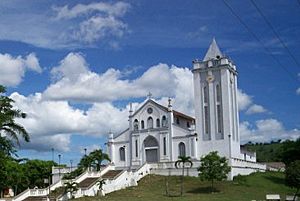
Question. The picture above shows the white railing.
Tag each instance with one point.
(142, 171)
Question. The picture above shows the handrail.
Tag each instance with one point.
(20, 194)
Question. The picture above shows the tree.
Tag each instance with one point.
(292, 175)
(213, 168)
(100, 184)
(8, 114)
(71, 187)
(97, 157)
(184, 160)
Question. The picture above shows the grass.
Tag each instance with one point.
(252, 187)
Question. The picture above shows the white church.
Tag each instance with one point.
(158, 135)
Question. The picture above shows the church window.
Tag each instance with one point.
(219, 109)
(205, 93)
(165, 146)
(136, 148)
(157, 123)
(218, 89)
(150, 122)
(206, 120)
(206, 110)
(122, 153)
(188, 124)
(181, 148)
(164, 121)
(136, 125)
(142, 124)
(178, 121)
(192, 147)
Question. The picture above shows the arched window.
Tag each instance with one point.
(164, 121)
(142, 124)
(136, 125)
(122, 153)
(206, 110)
(157, 123)
(205, 93)
(150, 122)
(219, 109)
(181, 148)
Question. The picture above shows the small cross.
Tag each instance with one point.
(149, 95)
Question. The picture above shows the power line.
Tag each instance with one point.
(275, 33)
(260, 42)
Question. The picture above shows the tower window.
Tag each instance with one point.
(188, 124)
(218, 90)
(219, 109)
(206, 119)
(205, 93)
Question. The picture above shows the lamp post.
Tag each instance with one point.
(52, 150)
(59, 156)
(85, 151)
(71, 162)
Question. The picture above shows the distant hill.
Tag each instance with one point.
(275, 151)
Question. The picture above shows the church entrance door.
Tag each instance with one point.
(151, 149)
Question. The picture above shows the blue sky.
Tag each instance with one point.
(74, 66)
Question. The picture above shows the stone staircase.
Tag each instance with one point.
(111, 174)
(87, 182)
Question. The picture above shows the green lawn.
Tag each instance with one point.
(152, 187)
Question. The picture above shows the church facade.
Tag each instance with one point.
(158, 134)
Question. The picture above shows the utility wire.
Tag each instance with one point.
(275, 33)
(260, 42)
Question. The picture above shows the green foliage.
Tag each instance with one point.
(240, 179)
(8, 114)
(279, 151)
(292, 175)
(71, 187)
(94, 159)
(213, 167)
(183, 160)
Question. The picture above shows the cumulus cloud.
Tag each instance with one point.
(51, 123)
(266, 130)
(100, 20)
(74, 81)
(298, 91)
(245, 102)
(91, 24)
(254, 109)
(12, 69)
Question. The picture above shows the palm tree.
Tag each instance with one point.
(184, 160)
(7, 118)
(97, 158)
(71, 187)
(100, 184)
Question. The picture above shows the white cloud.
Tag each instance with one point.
(245, 102)
(51, 123)
(298, 91)
(266, 130)
(255, 109)
(74, 81)
(12, 69)
(81, 25)
(100, 20)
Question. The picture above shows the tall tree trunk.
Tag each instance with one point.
(295, 194)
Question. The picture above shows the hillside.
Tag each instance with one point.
(276, 151)
(152, 187)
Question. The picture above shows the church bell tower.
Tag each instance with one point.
(216, 109)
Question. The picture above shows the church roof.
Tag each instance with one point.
(176, 113)
(213, 51)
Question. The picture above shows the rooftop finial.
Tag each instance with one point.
(149, 95)
(130, 109)
(213, 51)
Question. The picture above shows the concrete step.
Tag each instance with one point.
(111, 174)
